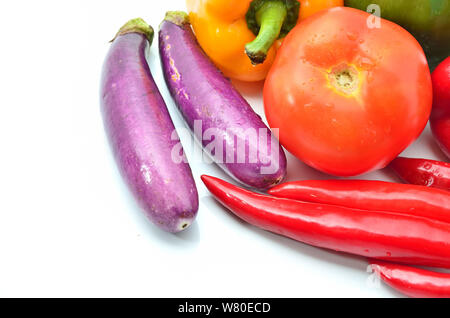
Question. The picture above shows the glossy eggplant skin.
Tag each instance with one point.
(207, 99)
(141, 133)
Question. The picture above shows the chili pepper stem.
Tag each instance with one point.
(270, 17)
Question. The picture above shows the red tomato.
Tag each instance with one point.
(440, 116)
(346, 97)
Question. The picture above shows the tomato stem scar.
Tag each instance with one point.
(344, 78)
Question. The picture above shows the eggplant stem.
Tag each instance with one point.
(136, 26)
(177, 17)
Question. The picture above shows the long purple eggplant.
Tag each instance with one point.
(215, 111)
(140, 132)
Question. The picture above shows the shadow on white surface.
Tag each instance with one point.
(327, 256)
(249, 89)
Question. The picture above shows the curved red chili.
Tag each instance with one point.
(371, 195)
(413, 282)
(381, 235)
(425, 172)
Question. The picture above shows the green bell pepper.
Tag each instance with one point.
(427, 20)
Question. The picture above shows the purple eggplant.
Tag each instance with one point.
(141, 132)
(215, 111)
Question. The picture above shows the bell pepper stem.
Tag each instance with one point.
(270, 17)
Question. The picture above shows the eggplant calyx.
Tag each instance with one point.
(269, 20)
(179, 18)
(136, 26)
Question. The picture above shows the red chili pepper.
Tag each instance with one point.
(413, 282)
(371, 195)
(381, 235)
(429, 173)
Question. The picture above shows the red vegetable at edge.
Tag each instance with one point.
(440, 115)
(413, 282)
(425, 172)
(371, 195)
(381, 235)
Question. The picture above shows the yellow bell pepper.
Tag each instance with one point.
(310, 7)
(222, 31)
(240, 36)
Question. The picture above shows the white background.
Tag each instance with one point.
(68, 225)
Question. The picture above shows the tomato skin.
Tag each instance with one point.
(440, 116)
(340, 131)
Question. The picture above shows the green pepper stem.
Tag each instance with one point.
(270, 17)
